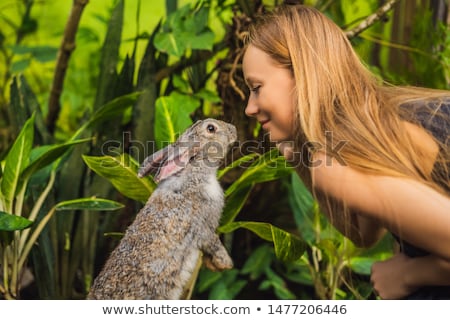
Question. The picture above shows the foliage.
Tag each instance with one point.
(20, 228)
(137, 78)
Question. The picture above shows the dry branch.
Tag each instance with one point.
(65, 50)
(370, 20)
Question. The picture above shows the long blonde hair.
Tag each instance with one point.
(337, 93)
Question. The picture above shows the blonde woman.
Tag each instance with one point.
(390, 170)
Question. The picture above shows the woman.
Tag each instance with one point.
(387, 166)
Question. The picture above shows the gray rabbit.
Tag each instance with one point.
(160, 250)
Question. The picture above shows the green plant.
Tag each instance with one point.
(20, 224)
(337, 269)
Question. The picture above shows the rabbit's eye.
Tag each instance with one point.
(211, 128)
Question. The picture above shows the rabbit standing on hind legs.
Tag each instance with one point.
(159, 251)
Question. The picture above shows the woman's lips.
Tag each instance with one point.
(263, 123)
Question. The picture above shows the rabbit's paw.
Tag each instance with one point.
(219, 262)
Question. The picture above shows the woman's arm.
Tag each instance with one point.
(400, 276)
(415, 212)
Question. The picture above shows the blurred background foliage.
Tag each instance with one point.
(105, 83)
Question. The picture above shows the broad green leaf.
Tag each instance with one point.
(171, 43)
(362, 265)
(20, 65)
(203, 41)
(208, 95)
(288, 247)
(121, 171)
(173, 116)
(175, 19)
(15, 162)
(10, 222)
(269, 166)
(197, 21)
(302, 205)
(45, 155)
(95, 204)
(237, 163)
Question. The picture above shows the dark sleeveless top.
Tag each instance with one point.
(439, 127)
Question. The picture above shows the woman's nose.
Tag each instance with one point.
(251, 110)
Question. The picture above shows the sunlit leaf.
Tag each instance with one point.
(269, 166)
(203, 41)
(16, 160)
(121, 171)
(171, 43)
(288, 247)
(173, 116)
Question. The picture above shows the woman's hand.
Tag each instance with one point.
(389, 278)
(401, 275)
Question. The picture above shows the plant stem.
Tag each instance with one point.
(37, 207)
(14, 286)
(5, 271)
(34, 237)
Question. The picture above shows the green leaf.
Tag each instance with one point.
(10, 222)
(203, 41)
(362, 265)
(208, 95)
(237, 163)
(197, 21)
(20, 65)
(121, 171)
(15, 162)
(173, 116)
(95, 204)
(40, 53)
(288, 247)
(171, 43)
(48, 154)
(175, 19)
(269, 166)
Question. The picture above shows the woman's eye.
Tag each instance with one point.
(255, 89)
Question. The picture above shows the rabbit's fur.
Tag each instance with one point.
(159, 251)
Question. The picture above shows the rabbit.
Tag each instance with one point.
(157, 256)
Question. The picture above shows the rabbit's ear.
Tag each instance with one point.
(165, 162)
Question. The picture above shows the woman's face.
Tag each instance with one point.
(272, 94)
